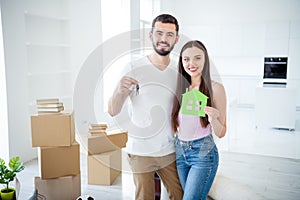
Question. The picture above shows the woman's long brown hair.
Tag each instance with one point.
(184, 81)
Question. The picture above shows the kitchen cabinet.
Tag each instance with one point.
(276, 107)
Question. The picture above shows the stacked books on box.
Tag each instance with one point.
(98, 129)
(49, 106)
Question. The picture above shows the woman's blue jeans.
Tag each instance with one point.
(197, 163)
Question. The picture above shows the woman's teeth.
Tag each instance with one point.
(193, 69)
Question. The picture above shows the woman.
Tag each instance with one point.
(196, 153)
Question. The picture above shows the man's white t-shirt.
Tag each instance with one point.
(147, 114)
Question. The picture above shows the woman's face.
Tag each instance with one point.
(193, 60)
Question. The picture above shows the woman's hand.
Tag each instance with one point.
(212, 113)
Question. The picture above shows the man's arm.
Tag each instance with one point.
(120, 94)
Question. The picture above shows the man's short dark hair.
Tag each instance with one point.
(166, 18)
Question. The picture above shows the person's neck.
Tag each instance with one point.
(161, 62)
(195, 82)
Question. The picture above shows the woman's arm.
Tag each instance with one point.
(217, 113)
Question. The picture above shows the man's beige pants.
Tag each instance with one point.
(144, 167)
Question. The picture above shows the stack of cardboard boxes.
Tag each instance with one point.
(58, 156)
(105, 156)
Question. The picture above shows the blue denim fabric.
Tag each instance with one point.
(197, 163)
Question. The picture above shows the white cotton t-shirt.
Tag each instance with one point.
(147, 116)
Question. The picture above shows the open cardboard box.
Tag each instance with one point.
(115, 139)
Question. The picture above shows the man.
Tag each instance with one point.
(149, 84)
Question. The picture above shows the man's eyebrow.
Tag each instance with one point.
(186, 56)
(170, 32)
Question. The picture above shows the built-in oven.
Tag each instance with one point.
(275, 70)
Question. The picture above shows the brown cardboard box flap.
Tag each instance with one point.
(105, 143)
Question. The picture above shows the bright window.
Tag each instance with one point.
(115, 21)
(115, 18)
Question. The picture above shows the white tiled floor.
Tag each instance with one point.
(264, 158)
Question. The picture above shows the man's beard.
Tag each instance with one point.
(162, 52)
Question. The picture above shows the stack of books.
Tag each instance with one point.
(49, 106)
(98, 129)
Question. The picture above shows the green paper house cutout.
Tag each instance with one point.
(193, 103)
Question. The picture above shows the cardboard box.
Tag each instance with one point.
(64, 188)
(105, 143)
(104, 168)
(52, 130)
(59, 161)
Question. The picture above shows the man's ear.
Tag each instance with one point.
(150, 35)
(177, 39)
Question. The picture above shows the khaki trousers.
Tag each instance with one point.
(144, 167)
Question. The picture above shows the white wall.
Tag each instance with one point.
(238, 34)
(85, 37)
(73, 28)
(85, 30)
(195, 12)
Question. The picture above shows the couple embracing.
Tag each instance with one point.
(181, 150)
